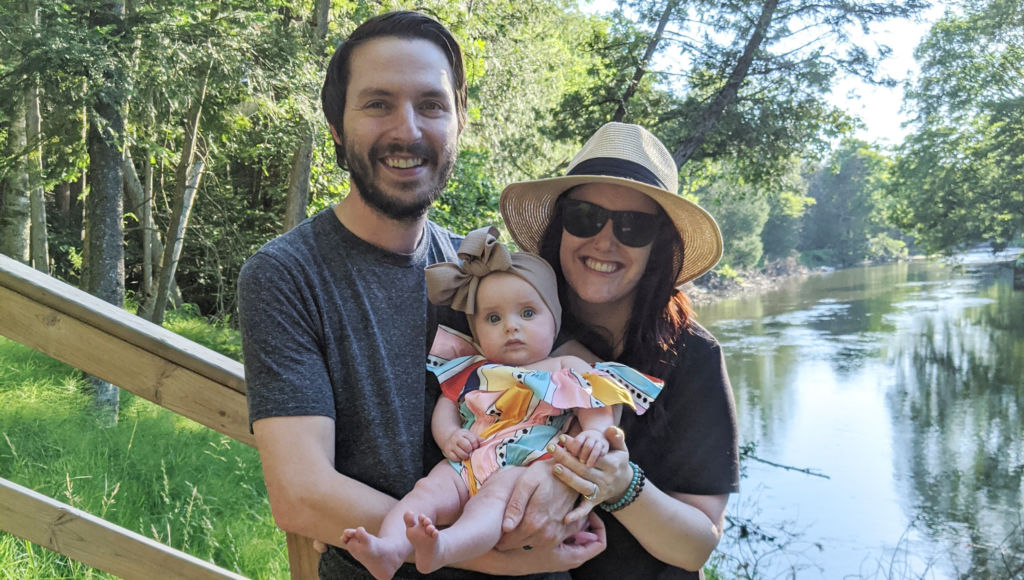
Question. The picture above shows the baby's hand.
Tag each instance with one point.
(593, 446)
(460, 444)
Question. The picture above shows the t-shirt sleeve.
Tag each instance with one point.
(285, 368)
(699, 426)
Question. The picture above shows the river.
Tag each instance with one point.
(900, 388)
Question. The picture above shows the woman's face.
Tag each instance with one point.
(601, 270)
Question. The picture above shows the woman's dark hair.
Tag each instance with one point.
(660, 311)
(400, 24)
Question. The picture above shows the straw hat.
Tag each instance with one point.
(626, 155)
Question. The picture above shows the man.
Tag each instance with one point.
(335, 321)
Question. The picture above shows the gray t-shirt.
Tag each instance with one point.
(337, 327)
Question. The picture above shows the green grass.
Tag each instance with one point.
(155, 472)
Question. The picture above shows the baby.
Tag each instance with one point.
(499, 411)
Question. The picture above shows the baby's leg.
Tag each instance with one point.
(440, 495)
(476, 531)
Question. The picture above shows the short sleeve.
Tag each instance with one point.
(687, 443)
(285, 370)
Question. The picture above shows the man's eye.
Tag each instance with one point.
(529, 313)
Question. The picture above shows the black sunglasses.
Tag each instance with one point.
(583, 219)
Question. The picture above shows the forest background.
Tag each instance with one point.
(149, 148)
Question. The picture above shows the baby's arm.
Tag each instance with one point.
(593, 444)
(446, 424)
(593, 422)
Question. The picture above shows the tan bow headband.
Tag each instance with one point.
(482, 254)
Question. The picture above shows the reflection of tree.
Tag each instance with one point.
(958, 405)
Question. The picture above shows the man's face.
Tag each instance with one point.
(400, 125)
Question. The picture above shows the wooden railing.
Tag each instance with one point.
(148, 360)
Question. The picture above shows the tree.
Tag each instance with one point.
(744, 81)
(780, 236)
(302, 160)
(958, 178)
(839, 227)
(103, 251)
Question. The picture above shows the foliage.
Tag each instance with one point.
(781, 233)
(154, 473)
(958, 178)
(847, 211)
(741, 215)
(743, 83)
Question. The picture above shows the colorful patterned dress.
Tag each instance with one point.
(516, 412)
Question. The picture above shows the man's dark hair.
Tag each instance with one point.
(400, 24)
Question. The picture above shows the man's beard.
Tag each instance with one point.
(362, 173)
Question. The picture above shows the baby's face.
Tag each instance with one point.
(512, 324)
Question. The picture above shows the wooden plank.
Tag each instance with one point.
(303, 560)
(71, 301)
(113, 359)
(95, 542)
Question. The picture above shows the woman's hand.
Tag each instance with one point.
(606, 481)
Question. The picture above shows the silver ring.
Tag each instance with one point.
(593, 494)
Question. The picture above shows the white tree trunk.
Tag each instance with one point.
(15, 213)
(176, 240)
(39, 239)
(298, 182)
(189, 173)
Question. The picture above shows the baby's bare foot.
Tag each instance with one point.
(426, 541)
(381, 557)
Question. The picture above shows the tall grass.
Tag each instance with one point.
(155, 473)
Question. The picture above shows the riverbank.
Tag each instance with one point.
(712, 286)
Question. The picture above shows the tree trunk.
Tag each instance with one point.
(726, 96)
(186, 184)
(103, 247)
(140, 202)
(298, 182)
(302, 161)
(16, 213)
(176, 236)
(39, 239)
(149, 233)
(641, 67)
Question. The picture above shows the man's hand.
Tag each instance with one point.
(535, 512)
(557, 558)
(460, 445)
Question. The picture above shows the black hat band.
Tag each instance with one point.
(615, 167)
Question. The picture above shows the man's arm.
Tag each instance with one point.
(307, 495)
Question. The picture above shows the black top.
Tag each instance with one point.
(686, 442)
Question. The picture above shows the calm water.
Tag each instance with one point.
(904, 385)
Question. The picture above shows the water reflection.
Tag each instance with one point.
(958, 388)
(905, 384)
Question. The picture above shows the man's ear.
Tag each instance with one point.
(334, 133)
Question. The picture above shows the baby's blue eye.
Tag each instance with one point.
(493, 318)
(529, 313)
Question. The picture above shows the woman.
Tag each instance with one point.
(621, 241)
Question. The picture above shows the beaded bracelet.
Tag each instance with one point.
(632, 492)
